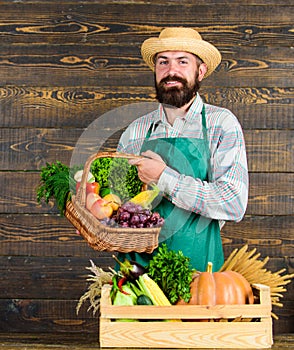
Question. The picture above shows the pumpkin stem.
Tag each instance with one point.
(209, 267)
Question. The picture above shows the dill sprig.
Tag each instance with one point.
(55, 184)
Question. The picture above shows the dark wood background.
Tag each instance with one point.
(65, 63)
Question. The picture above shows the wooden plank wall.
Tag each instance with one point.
(65, 63)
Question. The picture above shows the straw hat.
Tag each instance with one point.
(181, 39)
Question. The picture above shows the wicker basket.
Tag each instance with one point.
(101, 237)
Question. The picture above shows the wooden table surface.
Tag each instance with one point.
(14, 341)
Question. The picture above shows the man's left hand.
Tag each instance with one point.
(150, 167)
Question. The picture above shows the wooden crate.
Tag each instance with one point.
(246, 326)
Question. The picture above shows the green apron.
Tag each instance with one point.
(196, 236)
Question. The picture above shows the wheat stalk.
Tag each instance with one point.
(97, 280)
(247, 264)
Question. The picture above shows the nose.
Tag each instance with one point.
(172, 68)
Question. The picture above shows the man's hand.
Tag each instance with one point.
(150, 167)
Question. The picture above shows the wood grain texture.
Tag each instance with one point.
(238, 69)
(30, 149)
(84, 340)
(45, 316)
(192, 333)
(78, 107)
(65, 65)
(255, 41)
(52, 235)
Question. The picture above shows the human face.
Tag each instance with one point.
(177, 77)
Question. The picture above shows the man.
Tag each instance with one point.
(193, 151)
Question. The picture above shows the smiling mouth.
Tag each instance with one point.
(172, 83)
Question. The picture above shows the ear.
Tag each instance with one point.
(202, 70)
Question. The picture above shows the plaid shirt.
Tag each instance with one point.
(224, 197)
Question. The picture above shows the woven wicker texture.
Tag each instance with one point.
(99, 236)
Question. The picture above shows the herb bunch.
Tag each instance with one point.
(117, 175)
(173, 273)
(55, 184)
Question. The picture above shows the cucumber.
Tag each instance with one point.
(144, 300)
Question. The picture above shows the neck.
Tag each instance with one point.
(172, 112)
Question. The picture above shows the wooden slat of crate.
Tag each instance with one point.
(185, 312)
(149, 333)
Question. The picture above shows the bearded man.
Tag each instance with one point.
(193, 151)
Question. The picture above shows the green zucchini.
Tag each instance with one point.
(144, 300)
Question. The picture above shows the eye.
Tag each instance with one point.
(183, 62)
(162, 62)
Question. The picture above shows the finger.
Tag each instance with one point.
(148, 154)
(135, 161)
(151, 154)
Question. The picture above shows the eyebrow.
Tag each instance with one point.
(177, 58)
(198, 59)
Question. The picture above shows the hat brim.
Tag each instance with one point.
(208, 53)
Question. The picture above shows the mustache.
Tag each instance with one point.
(174, 78)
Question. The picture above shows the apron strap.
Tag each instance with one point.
(151, 129)
(205, 137)
(204, 129)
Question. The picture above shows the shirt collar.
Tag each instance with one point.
(192, 114)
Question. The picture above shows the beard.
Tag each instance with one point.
(176, 96)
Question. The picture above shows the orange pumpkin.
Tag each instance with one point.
(219, 288)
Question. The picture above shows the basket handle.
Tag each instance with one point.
(81, 193)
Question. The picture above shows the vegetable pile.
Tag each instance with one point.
(131, 285)
(168, 280)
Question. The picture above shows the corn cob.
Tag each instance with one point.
(153, 291)
(145, 198)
